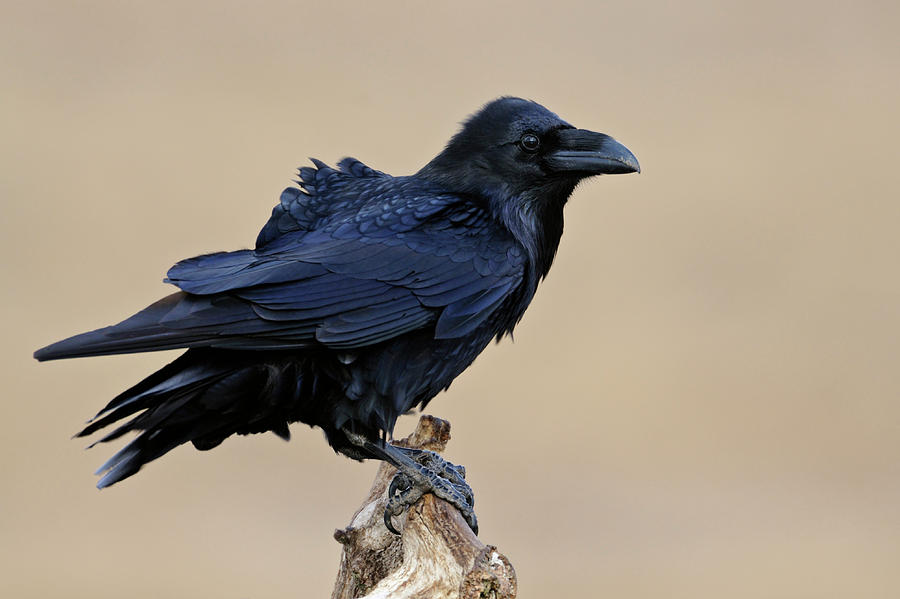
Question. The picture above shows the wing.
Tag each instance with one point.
(398, 258)
(345, 290)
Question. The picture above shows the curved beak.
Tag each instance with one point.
(590, 153)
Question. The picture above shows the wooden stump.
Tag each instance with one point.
(437, 556)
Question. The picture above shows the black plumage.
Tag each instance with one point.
(364, 296)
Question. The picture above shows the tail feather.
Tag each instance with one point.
(178, 379)
(204, 396)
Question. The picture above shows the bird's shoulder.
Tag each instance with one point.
(353, 199)
(358, 222)
(370, 257)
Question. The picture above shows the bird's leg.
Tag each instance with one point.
(420, 471)
(430, 473)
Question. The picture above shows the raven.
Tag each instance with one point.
(365, 296)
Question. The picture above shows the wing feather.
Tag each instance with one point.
(398, 258)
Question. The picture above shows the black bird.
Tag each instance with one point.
(364, 297)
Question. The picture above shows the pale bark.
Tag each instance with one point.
(437, 556)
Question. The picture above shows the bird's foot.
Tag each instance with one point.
(423, 472)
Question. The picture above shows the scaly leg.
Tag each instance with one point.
(420, 471)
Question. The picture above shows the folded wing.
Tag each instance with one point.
(346, 285)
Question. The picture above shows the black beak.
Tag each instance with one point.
(588, 153)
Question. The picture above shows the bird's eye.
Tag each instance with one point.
(530, 142)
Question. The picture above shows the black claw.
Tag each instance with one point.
(389, 523)
(397, 493)
(473, 523)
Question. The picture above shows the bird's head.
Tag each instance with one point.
(517, 148)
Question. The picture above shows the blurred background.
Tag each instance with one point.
(702, 401)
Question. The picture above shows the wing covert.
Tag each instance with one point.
(389, 258)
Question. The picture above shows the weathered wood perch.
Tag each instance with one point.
(437, 556)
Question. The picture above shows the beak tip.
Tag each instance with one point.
(631, 160)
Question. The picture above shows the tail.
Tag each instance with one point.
(204, 396)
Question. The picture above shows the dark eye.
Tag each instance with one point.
(530, 142)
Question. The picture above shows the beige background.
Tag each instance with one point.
(703, 400)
